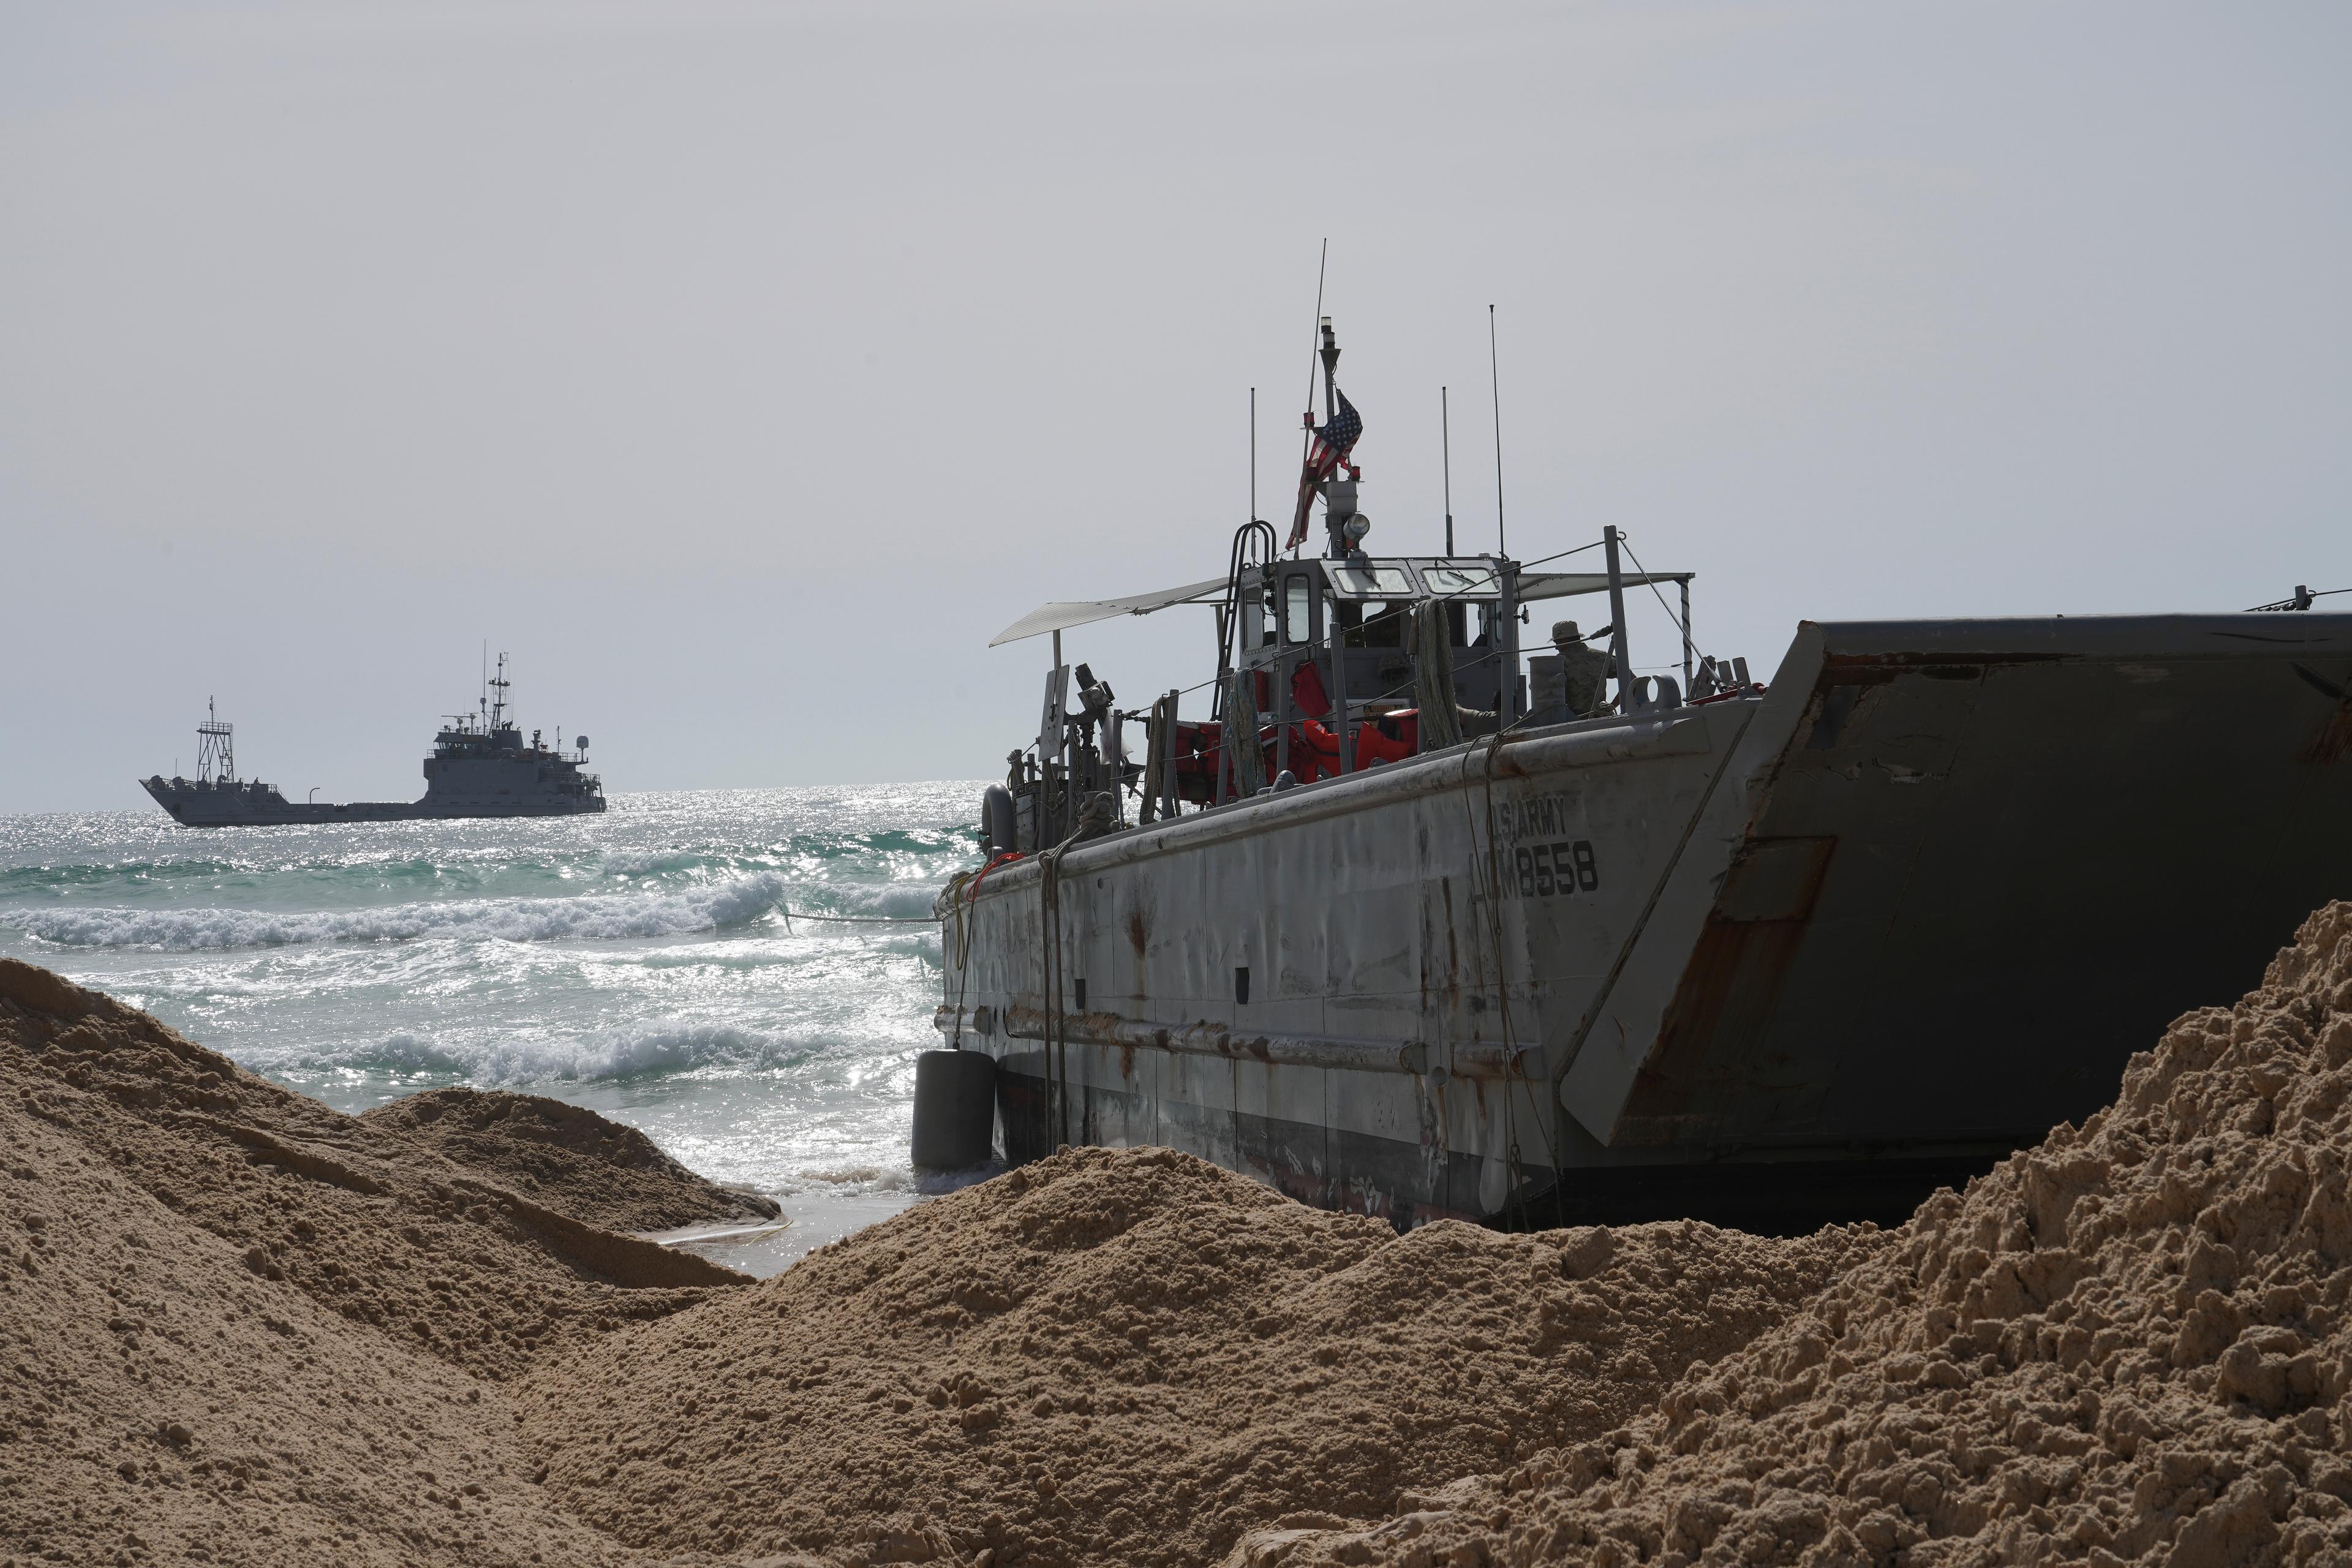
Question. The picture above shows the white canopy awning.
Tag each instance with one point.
(1064, 614)
(1567, 585)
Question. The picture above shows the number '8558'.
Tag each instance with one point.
(1548, 871)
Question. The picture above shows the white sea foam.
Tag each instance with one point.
(898, 900)
(405, 1051)
(607, 915)
(624, 864)
(515, 1060)
(850, 1181)
(521, 1058)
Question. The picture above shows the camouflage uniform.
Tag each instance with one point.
(1584, 670)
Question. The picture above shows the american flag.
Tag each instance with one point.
(1333, 441)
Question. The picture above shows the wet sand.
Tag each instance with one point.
(807, 1222)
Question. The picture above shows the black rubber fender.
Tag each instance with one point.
(955, 1110)
(998, 822)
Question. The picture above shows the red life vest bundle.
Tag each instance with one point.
(1199, 753)
(1314, 751)
(1306, 693)
(1200, 747)
(1390, 738)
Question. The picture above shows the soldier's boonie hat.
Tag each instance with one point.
(1565, 631)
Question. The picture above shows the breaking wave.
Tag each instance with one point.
(607, 915)
(522, 1059)
(405, 1051)
(514, 1062)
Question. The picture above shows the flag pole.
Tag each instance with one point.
(1314, 342)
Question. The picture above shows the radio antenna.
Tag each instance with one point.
(1445, 454)
(1252, 454)
(1495, 373)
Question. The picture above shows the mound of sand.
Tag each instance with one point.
(2130, 1343)
(370, 1221)
(241, 1328)
(598, 1172)
(166, 1405)
(1133, 1357)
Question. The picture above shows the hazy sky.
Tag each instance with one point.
(743, 368)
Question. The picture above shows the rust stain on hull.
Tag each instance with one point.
(2334, 740)
(2335, 737)
(1710, 1041)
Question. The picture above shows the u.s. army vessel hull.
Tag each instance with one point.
(1414, 926)
(1789, 955)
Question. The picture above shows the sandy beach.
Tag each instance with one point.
(248, 1329)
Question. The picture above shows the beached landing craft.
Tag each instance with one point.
(1765, 953)
(479, 767)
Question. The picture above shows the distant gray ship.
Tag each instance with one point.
(479, 767)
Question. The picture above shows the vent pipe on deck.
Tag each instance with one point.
(1617, 650)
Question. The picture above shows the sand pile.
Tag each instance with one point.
(1133, 1357)
(2133, 1342)
(237, 1327)
(367, 1219)
(162, 1404)
(596, 1170)
(2130, 1343)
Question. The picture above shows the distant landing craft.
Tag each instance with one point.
(479, 767)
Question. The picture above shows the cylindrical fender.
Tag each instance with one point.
(998, 821)
(955, 1110)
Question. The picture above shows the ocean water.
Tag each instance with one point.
(652, 963)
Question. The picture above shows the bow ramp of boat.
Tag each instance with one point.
(1970, 865)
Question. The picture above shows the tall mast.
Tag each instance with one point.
(215, 747)
(499, 693)
(1330, 356)
(1307, 436)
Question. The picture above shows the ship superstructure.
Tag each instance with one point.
(480, 766)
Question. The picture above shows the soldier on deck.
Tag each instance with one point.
(1584, 670)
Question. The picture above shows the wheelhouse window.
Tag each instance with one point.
(1381, 580)
(1297, 609)
(1453, 577)
(1257, 612)
(1375, 625)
